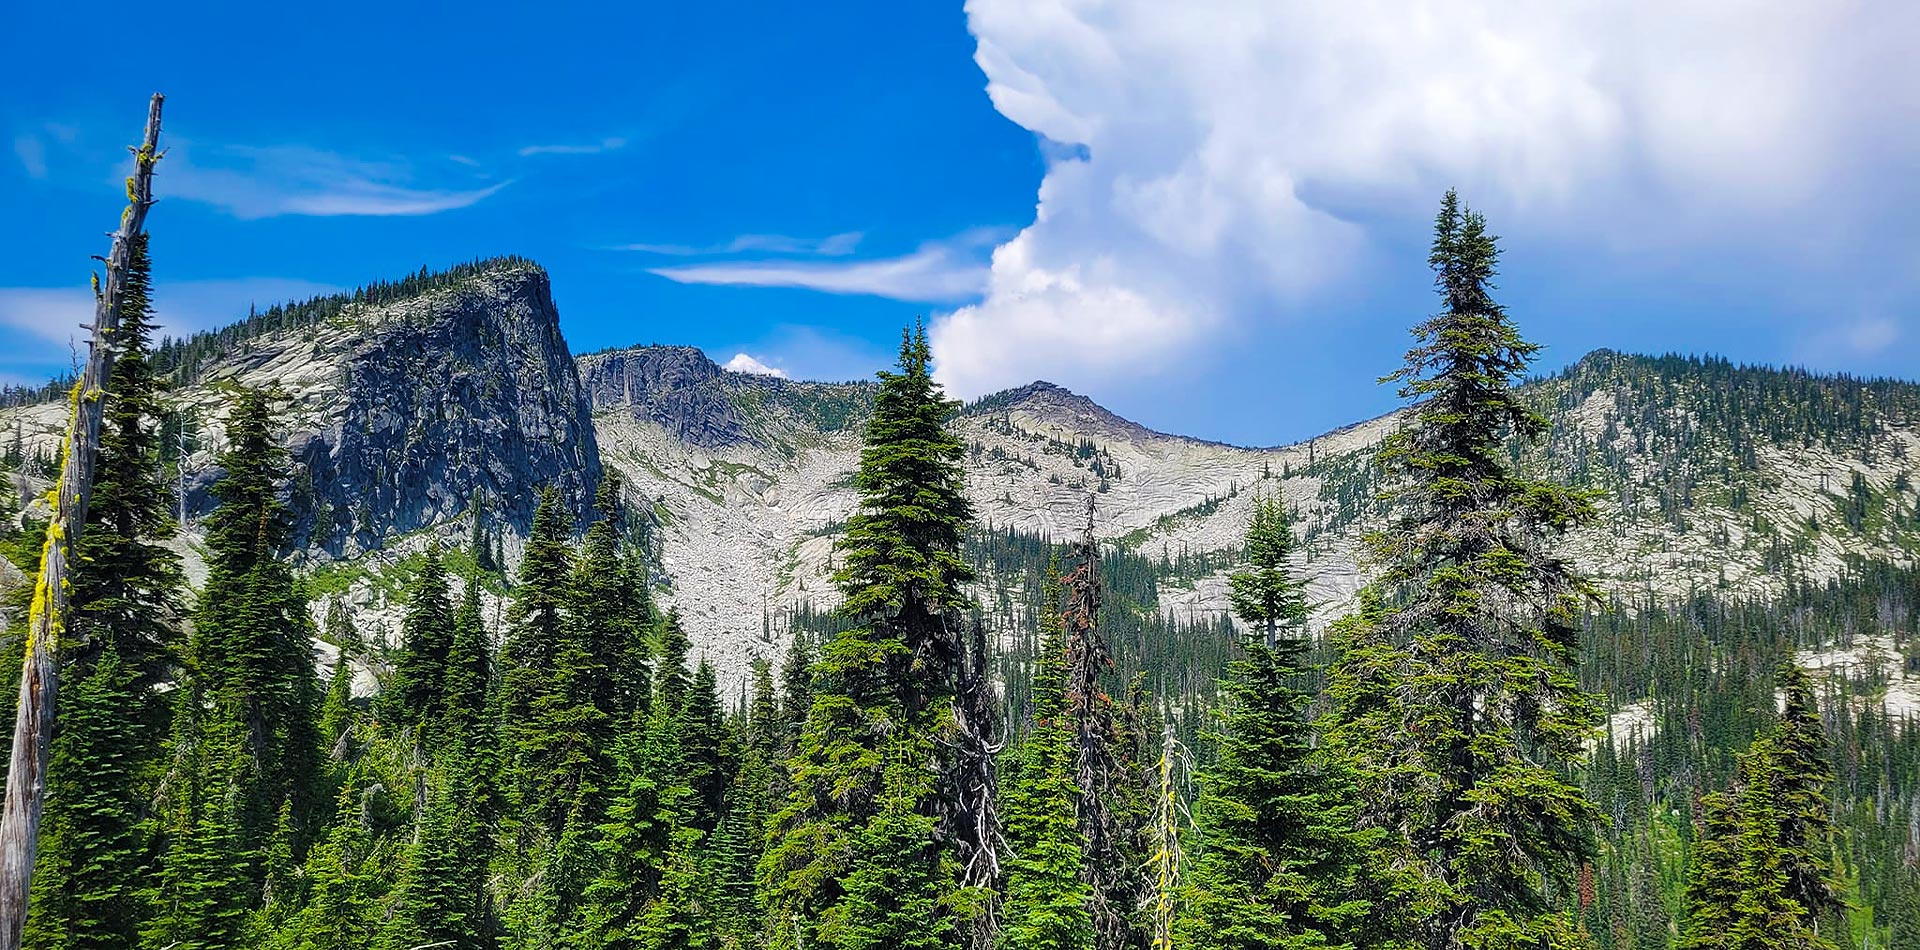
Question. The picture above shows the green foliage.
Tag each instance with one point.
(417, 693)
(1047, 902)
(1471, 754)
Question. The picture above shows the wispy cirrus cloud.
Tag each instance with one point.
(833, 245)
(251, 183)
(609, 144)
(50, 317)
(947, 271)
(32, 154)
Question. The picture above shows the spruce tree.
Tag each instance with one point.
(337, 913)
(441, 897)
(883, 685)
(1488, 717)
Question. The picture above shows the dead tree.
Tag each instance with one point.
(1098, 774)
(40, 674)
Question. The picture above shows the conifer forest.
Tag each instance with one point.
(970, 734)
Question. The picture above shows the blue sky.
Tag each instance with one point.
(1208, 216)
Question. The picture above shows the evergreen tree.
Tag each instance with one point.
(1487, 715)
(92, 873)
(469, 667)
(252, 646)
(556, 733)
(92, 861)
(416, 694)
(441, 897)
(896, 878)
(884, 683)
(1739, 892)
(1280, 864)
(337, 913)
(1802, 773)
(706, 745)
(1047, 903)
(204, 887)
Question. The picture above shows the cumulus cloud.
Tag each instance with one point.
(1216, 159)
(937, 272)
(742, 363)
(252, 183)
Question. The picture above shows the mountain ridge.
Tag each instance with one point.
(406, 407)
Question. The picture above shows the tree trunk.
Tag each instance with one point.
(40, 675)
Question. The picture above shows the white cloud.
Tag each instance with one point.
(254, 183)
(1872, 335)
(742, 363)
(32, 154)
(593, 148)
(1218, 159)
(53, 315)
(939, 271)
(833, 245)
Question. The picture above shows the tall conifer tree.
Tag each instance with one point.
(884, 684)
(1488, 718)
(252, 646)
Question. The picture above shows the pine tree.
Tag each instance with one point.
(885, 683)
(416, 695)
(1047, 903)
(1489, 715)
(252, 646)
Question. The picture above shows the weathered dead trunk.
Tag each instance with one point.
(40, 675)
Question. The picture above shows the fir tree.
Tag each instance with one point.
(337, 913)
(90, 882)
(416, 694)
(1047, 903)
(205, 888)
(252, 647)
(706, 746)
(1489, 714)
(469, 667)
(441, 897)
(1280, 864)
(884, 683)
(92, 862)
(896, 878)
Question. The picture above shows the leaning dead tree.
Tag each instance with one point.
(40, 675)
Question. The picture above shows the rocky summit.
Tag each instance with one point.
(418, 414)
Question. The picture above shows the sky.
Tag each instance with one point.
(1209, 216)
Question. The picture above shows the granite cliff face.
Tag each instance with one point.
(399, 416)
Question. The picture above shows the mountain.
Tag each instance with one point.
(409, 402)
